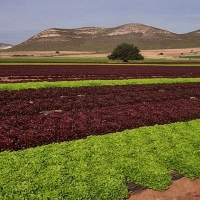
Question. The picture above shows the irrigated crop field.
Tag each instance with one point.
(91, 166)
(93, 72)
(74, 113)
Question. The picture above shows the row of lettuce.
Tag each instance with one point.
(84, 83)
(99, 167)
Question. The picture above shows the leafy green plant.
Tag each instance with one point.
(45, 84)
(100, 166)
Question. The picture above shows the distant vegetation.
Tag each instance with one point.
(31, 60)
(126, 52)
(56, 60)
(191, 57)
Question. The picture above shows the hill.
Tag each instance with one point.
(5, 46)
(105, 39)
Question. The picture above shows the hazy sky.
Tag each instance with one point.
(21, 19)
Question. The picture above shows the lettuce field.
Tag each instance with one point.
(22, 73)
(75, 113)
(88, 142)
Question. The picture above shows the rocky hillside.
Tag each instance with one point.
(5, 46)
(105, 39)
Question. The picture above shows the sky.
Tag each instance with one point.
(21, 19)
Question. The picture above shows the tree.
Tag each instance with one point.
(126, 52)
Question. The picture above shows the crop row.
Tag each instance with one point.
(35, 117)
(93, 72)
(94, 83)
(99, 167)
(67, 99)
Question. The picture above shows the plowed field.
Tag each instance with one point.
(31, 118)
(81, 72)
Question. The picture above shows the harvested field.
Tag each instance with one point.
(31, 118)
(85, 72)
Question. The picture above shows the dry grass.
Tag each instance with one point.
(51, 54)
(166, 53)
(170, 53)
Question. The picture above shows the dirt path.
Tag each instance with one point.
(182, 189)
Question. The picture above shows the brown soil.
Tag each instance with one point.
(182, 189)
(156, 54)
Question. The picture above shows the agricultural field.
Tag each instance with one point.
(75, 113)
(18, 73)
(86, 131)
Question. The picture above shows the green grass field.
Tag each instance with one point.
(51, 60)
(71, 60)
(191, 57)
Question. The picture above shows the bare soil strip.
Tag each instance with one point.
(182, 189)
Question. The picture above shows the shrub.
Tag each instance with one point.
(126, 52)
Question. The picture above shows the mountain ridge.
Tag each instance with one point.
(5, 46)
(105, 39)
